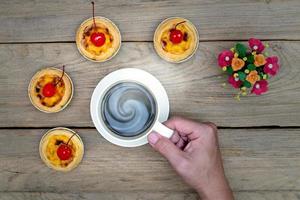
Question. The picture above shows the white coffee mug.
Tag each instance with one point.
(149, 82)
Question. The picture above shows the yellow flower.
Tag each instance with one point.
(237, 64)
(259, 60)
(264, 76)
(244, 93)
(252, 77)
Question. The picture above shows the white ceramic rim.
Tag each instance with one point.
(185, 59)
(129, 75)
(67, 103)
(113, 24)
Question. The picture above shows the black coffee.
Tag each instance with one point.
(128, 109)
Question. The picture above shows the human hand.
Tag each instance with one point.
(193, 151)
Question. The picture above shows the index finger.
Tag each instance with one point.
(186, 127)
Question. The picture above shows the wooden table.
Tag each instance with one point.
(259, 136)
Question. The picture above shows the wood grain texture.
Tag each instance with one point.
(194, 87)
(260, 195)
(254, 159)
(57, 20)
(103, 195)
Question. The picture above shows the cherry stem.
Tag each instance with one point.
(94, 14)
(70, 138)
(63, 73)
(179, 23)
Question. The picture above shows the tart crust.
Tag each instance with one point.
(176, 52)
(51, 141)
(64, 90)
(112, 43)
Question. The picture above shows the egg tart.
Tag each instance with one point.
(176, 39)
(61, 149)
(98, 39)
(50, 90)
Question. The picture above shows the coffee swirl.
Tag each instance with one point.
(128, 109)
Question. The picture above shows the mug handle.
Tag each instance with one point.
(162, 130)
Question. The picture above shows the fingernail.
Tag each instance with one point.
(153, 138)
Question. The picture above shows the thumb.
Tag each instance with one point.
(166, 148)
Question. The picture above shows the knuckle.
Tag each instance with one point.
(212, 128)
(212, 125)
(183, 165)
(162, 146)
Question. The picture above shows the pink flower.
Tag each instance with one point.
(271, 66)
(256, 45)
(225, 58)
(260, 87)
(235, 82)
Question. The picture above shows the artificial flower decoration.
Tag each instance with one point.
(259, 60)
(256, 45)
(252, 77)
(235, 82)
(271, 67)
(237, 64)
(260, 87)
(248, 69)
(225, 58)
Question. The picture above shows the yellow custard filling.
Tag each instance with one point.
(57, 97)
(90, 47)
(51, 150)
(180, 48)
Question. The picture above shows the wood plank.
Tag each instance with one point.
(103, 195)
(194, 87)
(255, 195)
(40, 21)
(268, 195)
(254, 159)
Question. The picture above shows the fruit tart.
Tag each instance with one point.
(61, 149)
(50, 90)
(98, 39)
(176, 39)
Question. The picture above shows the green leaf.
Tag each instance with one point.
(241, 50)
(261, 75)
(229, 70)
(250, 58)
(251, 67)
(247, 84)
(259, 69)
(242, 75)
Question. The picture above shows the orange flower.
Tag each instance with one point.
(237, 64)
(252, 77)
(259, 60)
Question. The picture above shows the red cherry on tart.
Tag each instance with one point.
(49, 90)
(64, 152)
(98, 39)
(176, 36)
